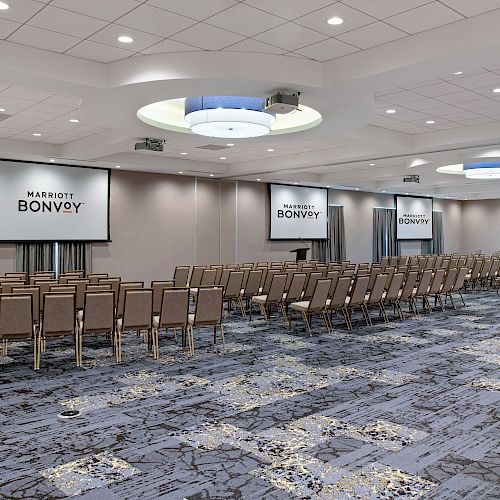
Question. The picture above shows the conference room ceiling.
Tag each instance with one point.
(70, 91)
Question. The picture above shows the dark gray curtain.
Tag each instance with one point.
(33, 257)
(385, 242)
(332, 249)
(75, 256)
(436, 245)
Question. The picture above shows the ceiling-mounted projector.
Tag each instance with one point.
(412, 178)
(150, 145)
(282, 103)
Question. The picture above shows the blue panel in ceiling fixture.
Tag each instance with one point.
(192, 104)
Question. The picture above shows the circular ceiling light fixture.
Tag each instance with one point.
(125, 39)
(228, 116)
(216, 116)
(484, 170)
(4, 6)
(335, 21)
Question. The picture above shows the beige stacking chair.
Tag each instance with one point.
(208, 312)
(218, 268)
(95, 277)
(181, 276)
(269, 278)
(250, 289)
(458, 286)
(114, 282)
(446, 287)
(337, 303)
(124, 286)
(173, 314)
(21, 276)
(405, 295)
(311, 285)
(158, 287)
(58, 321)
(81, 285)
(6, 286)
(35, 291)
(334, 276)
(422, 289)
(391, 296)
(232, 291)
(207, 279)
(137, 315)
(196, 274)
(317, 304)
(273, 298)
(16, 322)
(294, 293)
(357, 297)
(101, 287)
(435, 288)
(375, 298)
(98, 317)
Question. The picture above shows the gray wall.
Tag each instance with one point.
(481, 221)
(159, 221)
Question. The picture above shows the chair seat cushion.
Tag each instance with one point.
(259, 299)
(300, 306)
(191, 319)
(156, 321)
(119, 323)
(193, 291)
(79, 315)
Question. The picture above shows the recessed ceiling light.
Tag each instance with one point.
(496, 91)
(4, 6)
(458, 72)
(229, 145)
(258, 180)
(383, 191)
(335, 21)
(183, 153)
(295, 183)
(390, 111)
(270, 150)
(327, 186)
(357, 189)
(372, 164)
(36, 134)
(117, 166)
(430, 122)
(74, 120)
(2, 110)
(211, 175)
(222, 158)
(125, 39)
(52, 160)
(407, 194)
(181, 172)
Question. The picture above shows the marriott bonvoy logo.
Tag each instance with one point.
(419, 219)
(49, 202)
(298, 212)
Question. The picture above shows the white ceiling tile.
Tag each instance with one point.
(109, 35)
(424, 18)
(7, 27)
(444, 110)
(412, 116)
(477, 121)
(168, 46)
(422, 104)
(36, 114)
(289, 9)
(26, 94)
(245, 20)
(471, 8)
(445, 125)
(49, 108)
(371, 35)
(193, 8)
(384, 8)
(8, 132)
(64, 100)
(43, 39)
(459, 97)
(207, 37)
(290, 36)
(481, 80)
(480, 104)
(318, 20)
(156, 21)
(437, 89)
(108, 10)
(462, 115)
(66, 22)
(327, 49)
(98, 52)
(421, 83)
(400, 97)
(21, 10)
(254, 46)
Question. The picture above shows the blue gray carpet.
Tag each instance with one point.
(404, 410)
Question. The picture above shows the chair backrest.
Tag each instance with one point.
(296, 287)
(438, 262)
(16, 316)
(269, 279)
(114, 283)
(218, 274)
(411, 279)
(99, 312)
(6, 286)
(181, 275)
(450, 280)
(234, 284)
(341, 291)
(158, 287)
(224, 277)
(130, 285)
(196, 274)
(311, 284)
(99, 287)
(469, 261)
(50, 274)
(58, 314)
(359, 291)
(208, 277)
(495, 266)
(276, 289)
(137, 309)
(437, 281)
(459, 282)
(289, 277)
(374, 272)
(174, 308)
(425, 281)
(44, 288)
(476, 268)
(486, 268)
(208, 309)
(33, 290)
(253, 283)
(246, 273)
(393, 261)
(389, 271)
(334, 276)
(378, 288)
(394, 287)
(384, 262)
(62, 289)
(94, 278)
(320, 295)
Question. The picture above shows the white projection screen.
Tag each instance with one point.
(413, 218)
(298, 213)
(40, 202)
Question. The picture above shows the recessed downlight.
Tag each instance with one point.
(357, 189)
(258, 180)
(372, 164)
(183, 154)
(74, 120)
(2, 110)
(328, 186)
(117, 166)
(270, 150)
(230, 145)
(211, 175)
(458, 72)
(295, 183)
(335, 21)
(390, 111)
(407, 194)
(496, 91)
(181, 172)
(430, 122)
(125, 39)
(222, 158)
(36, 134)
(4, 6)
(52, 160)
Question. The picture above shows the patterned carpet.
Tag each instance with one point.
(404, 410)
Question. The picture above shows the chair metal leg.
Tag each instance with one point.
(307, 319)
(223, 338)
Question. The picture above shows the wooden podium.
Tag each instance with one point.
(300, 253)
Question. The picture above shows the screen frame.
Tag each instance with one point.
(269, 184)
(396, 196)
(108, 240)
